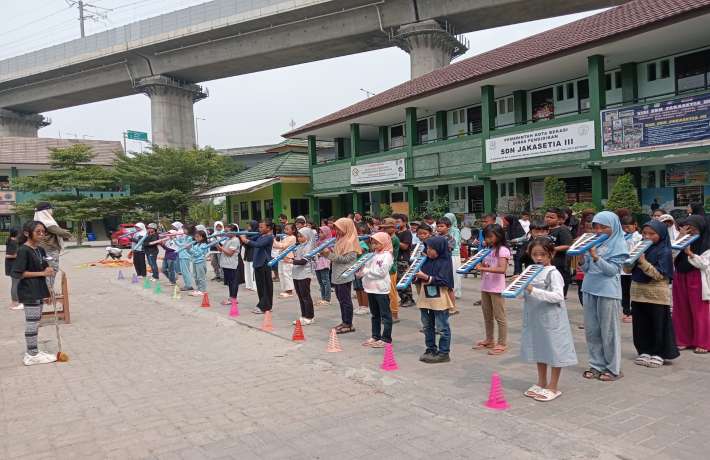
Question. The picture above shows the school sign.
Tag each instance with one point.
(574, 137)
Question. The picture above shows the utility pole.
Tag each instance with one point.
(81, 18)
(88, 11)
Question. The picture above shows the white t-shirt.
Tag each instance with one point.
(231, 262)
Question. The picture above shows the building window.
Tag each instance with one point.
(299, 207)
(397, 136)
(243, 210)
(570, 90)
(560, 93)
(688, 194)
(543, 106)
(397, 197)
(511, 105)
(651, 179)
(583, 95)
(256, 210)
(692, 70)
(501, 107)
(422, 131)
(617, 79)
(431, 123)
(665, 68)
(269, 209)
(456, 117)
(4, 183)
(651, 72)
(608, 82)
(475, 124)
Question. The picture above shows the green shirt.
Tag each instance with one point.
(395, 253)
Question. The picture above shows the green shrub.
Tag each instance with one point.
(555, 193)
(624, 195)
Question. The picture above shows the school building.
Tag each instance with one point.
(625, 90)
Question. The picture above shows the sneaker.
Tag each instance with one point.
(195, 293)
(306, 321)
(440, 358)
(285, 295)
(257, 311)
(19, 306)
(324, 303)
(361, 311)
(427, 356)
(302, 319)
(39, 358)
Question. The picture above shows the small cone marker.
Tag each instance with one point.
(120, 275)
(176, 293)
(205, 301)
(158, 288)
(496, 398)
(134, 280)
(388, 361)
(234, 310)
(298, 332)
(267, 325)
(146, 283)
(333, 342)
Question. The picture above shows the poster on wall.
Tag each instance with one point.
(677, 123)
(574, 137)
(377, 172)
(681, 174)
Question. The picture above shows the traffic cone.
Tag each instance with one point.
(158, 288)
(234, 310)
(388, 361)
(176, 293)
(134, 280)
(267, 325)
(205, 301)
(120, 275)
(146, 283)
(333, 342)
(298, 332)
(496, 398)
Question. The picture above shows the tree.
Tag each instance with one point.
(513, 204)
(166, 180)
(555, 193)
(206, 213)
(624, 195)
(71, 174)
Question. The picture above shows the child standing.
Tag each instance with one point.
(323, 268)
(631, 236)
(493, 270)
(691, 289)
(31, 269)
(137, 253)
(10, 256)
(388, 226)
(344, 254)
(601, 290)
(435, 281)
(650, 295)
(285, 269)
(231, 265)
(249, 279)
(183, 242)
(547, 337)
(376, 282)
(150, 247)
(198, 252)
(302, 273)
(360, 293)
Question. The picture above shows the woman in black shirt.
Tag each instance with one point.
(31, 269)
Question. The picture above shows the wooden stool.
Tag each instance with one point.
(63, 299)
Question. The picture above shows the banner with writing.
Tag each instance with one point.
(574, 137)
(377, 172)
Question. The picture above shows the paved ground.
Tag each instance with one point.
(151, 377)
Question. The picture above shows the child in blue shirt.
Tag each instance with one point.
(183, 242)
(198, 252)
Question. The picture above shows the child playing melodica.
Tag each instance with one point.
(375, 275)
(183, 242)
(547, 337)
(137, 253)
(631, 236)
(323, 267)
(198, 252)
(344, 254)
(31, 269)
(285, 265)
(650, 294)
(360, 293)
(231, 265)
(601, 291)
(493, 270)
(302, 273)
(434, 286)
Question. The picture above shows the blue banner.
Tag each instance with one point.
(672, 124)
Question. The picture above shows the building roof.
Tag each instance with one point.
(298, 144)
(628, 19)
(286, 164)
(35, 150)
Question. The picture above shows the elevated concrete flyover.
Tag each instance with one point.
(223, 38)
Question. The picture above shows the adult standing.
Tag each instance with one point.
(455, 252)
(405, 251)
(262, 272)
(53, 240)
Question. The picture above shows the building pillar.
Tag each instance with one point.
(441, 133)
(357, 202)
(488, 119)
(490, 195)
(312, 152)
(171, 115)
(18, 124)
(430, 45)
(277, 191)
(597, 101)
(520, 109)
(228, 210)
(629, 83)
(354, 141)
(383, 138)
(413, 200)
(314, 210)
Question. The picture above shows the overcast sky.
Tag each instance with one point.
(245, 110)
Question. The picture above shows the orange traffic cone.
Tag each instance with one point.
(267, 324)
(496, 398)
(205, 301)
(333, 342)
(298, 332)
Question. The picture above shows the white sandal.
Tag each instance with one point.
(654, 362)
(533, 391)
(546, 395)
(642, 359)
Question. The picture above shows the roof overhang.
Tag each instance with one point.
(241, 187)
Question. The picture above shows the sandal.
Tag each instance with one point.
(591, 374)
(700, 351)
(368, 342)
(498, 350)
(345, 329)
(533, 391)
(609, 377)
(481, 344)
(654, 362)
(627, 319)
(642, 359)
(547, 395)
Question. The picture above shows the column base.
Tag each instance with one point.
(430, 45)
(18, 124)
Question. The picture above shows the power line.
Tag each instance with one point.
(34, 21)
(87, 11)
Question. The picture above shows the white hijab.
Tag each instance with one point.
(177, 225)
(141, 229)
(216, 223)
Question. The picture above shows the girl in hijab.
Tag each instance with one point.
(455, 252)
(302, 273)
(285, 267)
(668, 220)
(691, 289)
(434, 282)
(344, 254)
(650, 295)
(231, 265)
(375, 276)
(601, 291)
(137, 252)
(214, 253)
(323, 268)
(249, 280)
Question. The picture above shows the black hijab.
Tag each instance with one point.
(698, 247)
(660, 255)
(441, 268)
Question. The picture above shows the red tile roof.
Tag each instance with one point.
(628, 19)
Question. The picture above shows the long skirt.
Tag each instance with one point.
(691, 314)
(653, 330)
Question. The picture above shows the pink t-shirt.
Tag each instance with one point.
(494, 282)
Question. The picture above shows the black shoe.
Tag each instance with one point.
(407, 304)
(440, 358)
(428, 356)
(477, 302)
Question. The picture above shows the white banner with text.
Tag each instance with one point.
(377, 172)
(574, 137)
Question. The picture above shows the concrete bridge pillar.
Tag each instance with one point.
(171, 115)
(430, 45)
(17, 124)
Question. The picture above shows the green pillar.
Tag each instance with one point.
(339, 148)
(277, 190)
(228, 209)
(413, 200)
(490, 195)
(383, 138)
(338, 206)
(629, 83)
(314, 210)
(441, 132)
(597, 101)
(312, 152)
(488, 119)
(520, 106)
(354, 141)
(357, 202)
(410, 128)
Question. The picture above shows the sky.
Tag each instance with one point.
(245, 110)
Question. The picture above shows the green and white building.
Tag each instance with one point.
(626, 90)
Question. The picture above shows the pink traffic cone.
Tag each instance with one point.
(234, 310)
(496, 398)
(388, 361)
